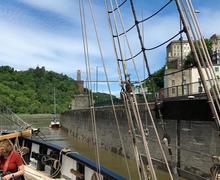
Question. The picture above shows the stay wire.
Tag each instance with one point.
(140, 37)
(204, 59)
(201, 56)
(145, 58)
(109, 89)
(92, 111)
(211, 102)
(122, 94)
(145, 19)
(147, 151)
(209, 61)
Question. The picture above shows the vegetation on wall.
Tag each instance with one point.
(32, 91)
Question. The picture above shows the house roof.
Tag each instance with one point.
(177, 42)
(215, 36)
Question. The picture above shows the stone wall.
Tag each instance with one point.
(198, 139)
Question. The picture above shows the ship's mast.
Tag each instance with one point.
(54, 106)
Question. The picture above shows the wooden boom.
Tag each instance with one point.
(24, 133)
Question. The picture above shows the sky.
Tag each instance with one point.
(48, 33)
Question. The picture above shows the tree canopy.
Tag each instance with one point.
(156, 81)
(190, 59)
(32, 91)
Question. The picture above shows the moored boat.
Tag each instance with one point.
(55, 123)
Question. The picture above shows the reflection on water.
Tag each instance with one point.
(108, 159)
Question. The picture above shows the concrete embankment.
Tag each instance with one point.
(198, 140)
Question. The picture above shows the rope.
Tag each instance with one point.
(140, 37)
(201, 53)
(142, 131)
(106, 76)
(131, 57)
(92, 111)
(186, 22)
(58, 170)
(117, 7)
(145, 19)
(131, 128)
(144, 140)
(115, 48)
(149, 49)
(154, 14)
(155, 47)
(206, 56)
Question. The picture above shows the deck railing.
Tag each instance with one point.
(188, 89)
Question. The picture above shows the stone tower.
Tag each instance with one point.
(79, 82)
(80, 101)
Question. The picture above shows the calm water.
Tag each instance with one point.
(108, 159)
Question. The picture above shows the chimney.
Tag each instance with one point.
(78, 75)
(79, 82)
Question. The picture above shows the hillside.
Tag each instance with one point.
(31, 91)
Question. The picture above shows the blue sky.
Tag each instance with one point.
(47, 33)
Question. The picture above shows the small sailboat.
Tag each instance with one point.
(55, 123)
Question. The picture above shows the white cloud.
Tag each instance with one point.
(23, 47)
(62, 7)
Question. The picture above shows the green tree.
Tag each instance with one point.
(155, 81)
(31, 91)
(190, 59)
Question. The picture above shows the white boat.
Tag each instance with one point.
(55, 123)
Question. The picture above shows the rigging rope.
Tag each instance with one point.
(109, 89)
(154, 14)
(155, 47)
(143, 20)
(135, 100)
(204, 50)
(149, 49)
(190, 33)
(87, 61)
(138, 115)
(118, 6)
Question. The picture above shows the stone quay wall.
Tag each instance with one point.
(198, 140)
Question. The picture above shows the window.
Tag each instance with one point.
(173, 90)
(216, 69)
(173, 82)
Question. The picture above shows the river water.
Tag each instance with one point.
(60, 137)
